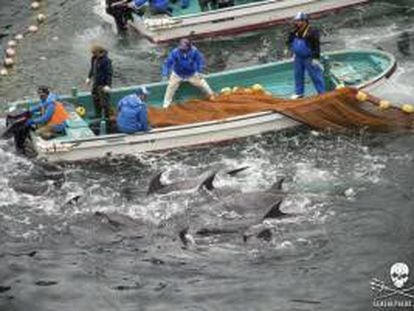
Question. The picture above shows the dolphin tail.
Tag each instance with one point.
(208, 182)
(277, 186)
(155, 184)
(274, 211)
(186, 238)
(237, 170)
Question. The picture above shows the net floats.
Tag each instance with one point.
(257, 87)
(8, 62)
(35, 5)
(81, 111)
(10, 52)
(4, 72)
(361, 96)
(33, 28)
(407, 108)
(19, 37)
(12, 43)
(384, 104)
(41, 18)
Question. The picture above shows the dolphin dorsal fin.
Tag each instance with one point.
(208, 182)
(155, 184)
(274, 211)
(277, 186)
(237, 170)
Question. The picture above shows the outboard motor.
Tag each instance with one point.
(16, 127)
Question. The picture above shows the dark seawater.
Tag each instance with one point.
(350, 196)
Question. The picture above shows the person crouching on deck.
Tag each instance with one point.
(132, 112)
(53, 115)
(184, 63)
(304, 42)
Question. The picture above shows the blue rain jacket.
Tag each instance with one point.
(185, 4)
(184, 64)
(46, 108)
(132, 115)
(300, 48)
(156, 5)
(305, 43)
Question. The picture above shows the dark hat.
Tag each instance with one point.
(42, 89)
(142, 91)
(300, 16)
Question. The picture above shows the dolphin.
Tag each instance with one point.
(206, 181)
(239, 212)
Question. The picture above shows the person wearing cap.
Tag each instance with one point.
(184, 63)
(304, 42)
(51, 115)
(100, 76)
(132, 112)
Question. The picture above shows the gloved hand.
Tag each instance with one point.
(88, 81)
(106, 89)
(30, 123)
(317, 63)
(199, 75)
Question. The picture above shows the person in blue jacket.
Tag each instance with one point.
(184, 63)
(304, 42)
(51, 114)
(156, 6)
(132, 112)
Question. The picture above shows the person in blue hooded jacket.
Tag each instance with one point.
(156, 6)
(304, 42)
(184, 63)
(132, 112)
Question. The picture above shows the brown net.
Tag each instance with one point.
(339, 110)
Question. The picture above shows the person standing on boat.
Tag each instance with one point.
(184, 63)
(100, 76)
(120, 11)
(52, 115)
(132, 112)
(304, 42)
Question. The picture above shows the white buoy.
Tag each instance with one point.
(315, 133)
(19, 37)
(41, 18)
(12, 43)
(4, 72)
(10, 52)
(8, 62)
(33, 28)
(55, 38)
(350, 193)
(35, 5)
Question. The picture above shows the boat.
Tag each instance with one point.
(362, 69)
(244, 16)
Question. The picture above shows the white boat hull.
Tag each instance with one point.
(162, 139)
(233, 20)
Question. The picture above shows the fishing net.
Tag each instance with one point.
(339, 110)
